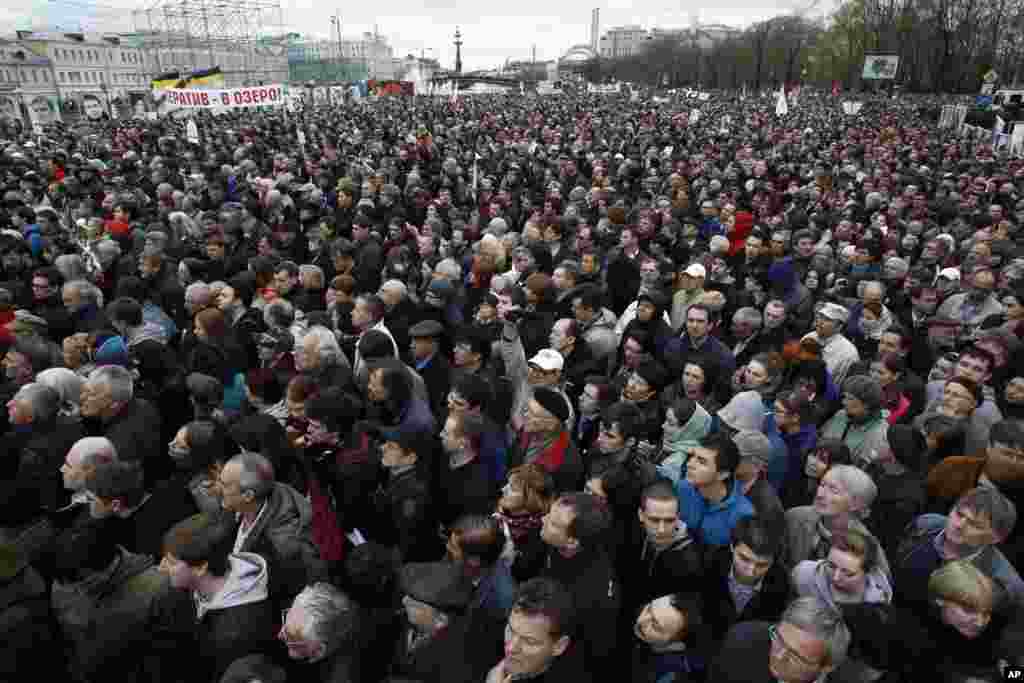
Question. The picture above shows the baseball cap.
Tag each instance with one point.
(696, 270)
(548, 360)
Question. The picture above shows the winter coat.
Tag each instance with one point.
(107, 618)
(767, 603)
(590, 577)
(30, 461)
(198, 639)
(283, 535)
(599, 334)
(135, 433)
(31, 648)
(404, 517)
(712, 524)
(650, 572)
(916, 558)
(865, 440)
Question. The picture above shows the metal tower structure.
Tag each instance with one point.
(458, 51)
(188, 35)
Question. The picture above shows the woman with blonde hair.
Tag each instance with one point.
(961, 635)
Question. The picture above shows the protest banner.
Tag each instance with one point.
(232, 98)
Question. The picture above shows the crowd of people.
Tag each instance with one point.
(577, 388)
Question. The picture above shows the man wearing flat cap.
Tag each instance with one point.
(434, 596)
(431, 363)
(837, 351)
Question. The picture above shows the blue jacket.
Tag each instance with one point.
(713, 524)
(786, 464)
(677, 349)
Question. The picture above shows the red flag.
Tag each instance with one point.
(835, 88)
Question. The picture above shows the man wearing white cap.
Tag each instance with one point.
(691, 283)
(837, 351)
(544, 369)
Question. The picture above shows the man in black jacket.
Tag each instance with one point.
(431, 363)
(745, 581)
(132, 424)
(663, 556)
(575, 530)
(47, 304)
(31, 456)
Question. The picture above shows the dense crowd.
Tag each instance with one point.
(499, 388)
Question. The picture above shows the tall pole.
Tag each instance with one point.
(458, 51)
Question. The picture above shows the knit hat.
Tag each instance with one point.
(112, 352)
(753, 445)
(553, 402)
(745, 412)
(834, 312)
(865, 389)
(439, 584)
(441, 288)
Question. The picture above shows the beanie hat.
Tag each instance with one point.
(553, 402)
(745, 412)
(864, 389)
(441, 288)
(754, 446)
(112, 352)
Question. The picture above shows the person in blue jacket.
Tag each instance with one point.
(711, 501)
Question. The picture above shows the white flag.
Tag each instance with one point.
(781, 108)
(192, 132)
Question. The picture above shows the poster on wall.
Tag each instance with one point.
(92, 107)
(880, 67)
(43, 110)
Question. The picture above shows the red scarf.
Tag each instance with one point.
(553, 455)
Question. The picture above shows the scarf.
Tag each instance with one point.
(548, 452)
(519, 526)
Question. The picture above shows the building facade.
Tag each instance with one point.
(342, 61)
(623, 41)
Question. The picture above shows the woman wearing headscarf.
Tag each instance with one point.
(686, 423)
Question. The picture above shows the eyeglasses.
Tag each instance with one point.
(786, 653)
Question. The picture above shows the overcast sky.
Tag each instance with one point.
(491, 32)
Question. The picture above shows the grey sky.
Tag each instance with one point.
(491, 32)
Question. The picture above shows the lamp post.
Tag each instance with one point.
(336, 21)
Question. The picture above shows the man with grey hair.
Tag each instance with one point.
(84, 303)
(399, 312)
(746, 340)
(32, 453)
(274, 520)
(808, 643)
(110, 408)
(81, 461)
(318, 355)
(319, 630)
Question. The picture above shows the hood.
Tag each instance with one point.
(744, 412)
(809, 578)
(783, 275)
(246, 583)
(149, 331)
(680, 539)
(605, 319)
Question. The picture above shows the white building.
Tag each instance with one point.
(27, 88)
(623, 41)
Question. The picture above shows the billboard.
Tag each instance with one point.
(880, 67)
